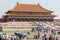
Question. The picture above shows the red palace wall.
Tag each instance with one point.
(21, 19)
(56, 20)
(2, 20)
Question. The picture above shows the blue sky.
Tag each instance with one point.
(53, 5)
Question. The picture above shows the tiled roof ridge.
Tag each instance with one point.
(29, 7)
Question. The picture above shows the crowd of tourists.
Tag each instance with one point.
(16, 36)
(21, 35)
(41, 34)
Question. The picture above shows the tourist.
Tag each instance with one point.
(28, 33)
(35, 36)
(53, 38)
(43, 36)
(50, 37)
(9, 38)
(6, 36)
(38, 35)
(57, 38)
(0, 38)
(33, 30)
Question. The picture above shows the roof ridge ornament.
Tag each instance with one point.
(17, 2)
(38, 4)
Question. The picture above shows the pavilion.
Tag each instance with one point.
(28, 12)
